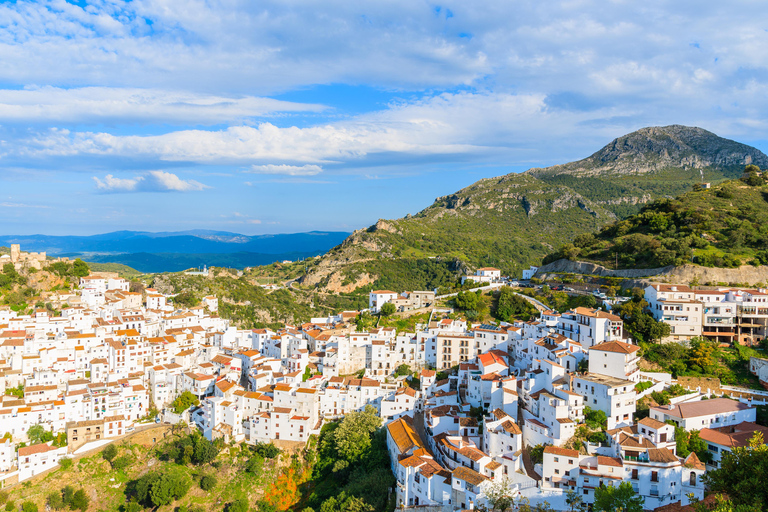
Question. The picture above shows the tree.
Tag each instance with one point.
(183, 402)
(500, 494)
(595, 418)
(109, 452)
(623, 497)
(537, 454)
(67, 493)
(403, 369)
(742, 474)
(79, 501)
(38, 434)
(55, 501)
(574, 500)
(207, 482)
(353, 436)
(240, 505)
(80, 268)
(387, 309)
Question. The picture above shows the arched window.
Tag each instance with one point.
(693, 478)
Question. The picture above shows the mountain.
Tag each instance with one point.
(173, 251)
(514, 220)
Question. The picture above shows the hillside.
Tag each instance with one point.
(724, 226)
(514, 220)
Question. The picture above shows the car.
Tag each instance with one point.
(568, 289)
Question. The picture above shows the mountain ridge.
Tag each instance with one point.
(513, 220)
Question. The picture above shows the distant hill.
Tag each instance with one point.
(173, 251)
(514, 220)
(725, 226)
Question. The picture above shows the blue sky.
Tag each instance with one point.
(285, 116)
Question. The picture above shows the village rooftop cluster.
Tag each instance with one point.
(95, 372)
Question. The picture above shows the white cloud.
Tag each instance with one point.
(112, 184)
(153, 181)
(449, 125)
(290, 170)
(131, 105)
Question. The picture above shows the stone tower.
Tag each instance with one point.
(15, 253)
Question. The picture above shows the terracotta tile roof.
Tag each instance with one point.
(511, 427)
(404, 435)
(702, 408)
(34, 449)
(468, 475)
(556, 450)
(661, 455)
(608, 461)
(618, 347)
(652, 423)
(693, 462)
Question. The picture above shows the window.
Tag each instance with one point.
(654, 476)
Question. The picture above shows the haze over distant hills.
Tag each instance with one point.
(174, 251)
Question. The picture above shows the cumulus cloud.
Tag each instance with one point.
(289, 170)
(153, 181)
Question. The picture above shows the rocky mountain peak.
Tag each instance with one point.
(657, 148)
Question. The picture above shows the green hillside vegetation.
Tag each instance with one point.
(725, 226)
(704, 358)
(512, 221)
(251, 306)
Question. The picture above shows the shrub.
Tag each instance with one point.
(537, 454)
(267, 450)
(207, 482)
(55, 501)
(79, 501)
(122, 462)
(240, 505)
(109, 452)
(28, 506)
(66, 464)
(3, 497)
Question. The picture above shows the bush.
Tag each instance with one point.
(208, 482)
(240, 505)
(10, 506)
(28, 506)
(55, 501)
(66, 463)
(537, 454)
(122, 462)
(266, 450)
(3, 497)
(79, 501)
(183, 402)
(109, 452)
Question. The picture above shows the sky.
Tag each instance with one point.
(290, 115)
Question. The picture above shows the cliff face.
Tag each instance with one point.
(512, 221)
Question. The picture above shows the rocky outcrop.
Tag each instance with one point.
(586, 268)
(686, 274)
(661, 147)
